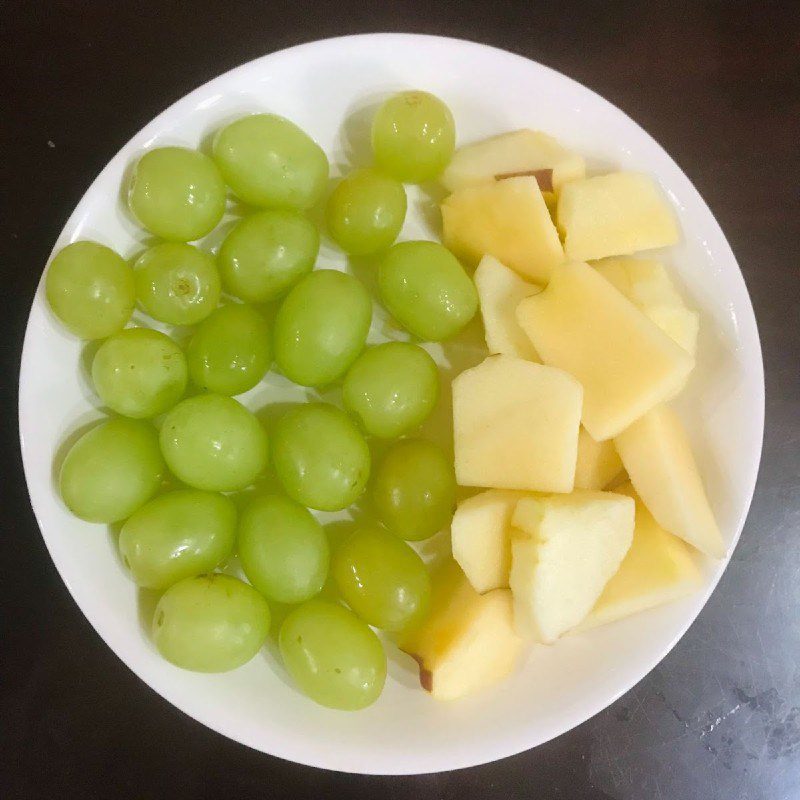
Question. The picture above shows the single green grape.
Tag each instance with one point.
(283, 549)
(392, 388)
(230, 350)
(211, 623)
(321, 327)
(112, 470)
(139, 373)
(177, 193)
(265, 254)
(425, 288)
(366, 211)
(382, 579)
(90, 289)
(413, 136)
(214, 443)
(178, 535)
(332, 656)
(268, 161)
(177, 283)
(319, 456)
(414, 489)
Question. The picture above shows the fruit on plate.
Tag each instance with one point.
(467, 642)
(658, 458)
(507, 219)
(515, 425)
(500, 291)
(481, 537)
(624, 361)
(598, 462)
(514, 153)
(614, 215)
(657, 569)
(564, 550)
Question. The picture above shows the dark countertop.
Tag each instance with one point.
(718, 84)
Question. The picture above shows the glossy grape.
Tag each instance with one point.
(112, 470)
(425, 288)
(268, 161)
(321, 327)
(366, 211)
(230, 350)
(413, 136)
(90, 289)
(414, 489)
(283, 549)
(178, 535)
(177, 193)
(177, 283)
(332, 656)
(319, 456)
(211, 623)
(139, 373)
(214, 443)
(382, 579)
(392, 388)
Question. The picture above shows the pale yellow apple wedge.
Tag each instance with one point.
(598, 462)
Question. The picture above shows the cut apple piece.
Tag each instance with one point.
(522, 151)
(657, 569)
(481, 538)
(500, 291)
(658, 458)
(624, 361)
(507, 219)
(515, 426)
(598, 462)
(679, 323)
(614, 215)
(564, 549)
(468, 640)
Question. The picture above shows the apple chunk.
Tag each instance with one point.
(624, 361)
(598, 462)
(658, 458)
(481, 537)
(507, 219)
(515, 426)
(500, 291)
(468, 640)
(564, 549)
(657, 569)
(614, 215)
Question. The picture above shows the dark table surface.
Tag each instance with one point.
(718, 84)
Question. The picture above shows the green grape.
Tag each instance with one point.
(425, 288)
(230, 352)
(333, 657)
(211, 623)
(90, 289)
(413, 136)
(177, 283)
(382, 579)
(366, 212)
(267, 253)
(139, 373)
(177, 193)
(321, 327)
(212, 442)
(268, 161)
(178, 535)
(283, 549)
(392, 388)
(319, 456)
(111, 470)
(414, 489)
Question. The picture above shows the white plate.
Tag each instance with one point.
(328, 88)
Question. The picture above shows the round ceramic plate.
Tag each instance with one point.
(330, 89)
